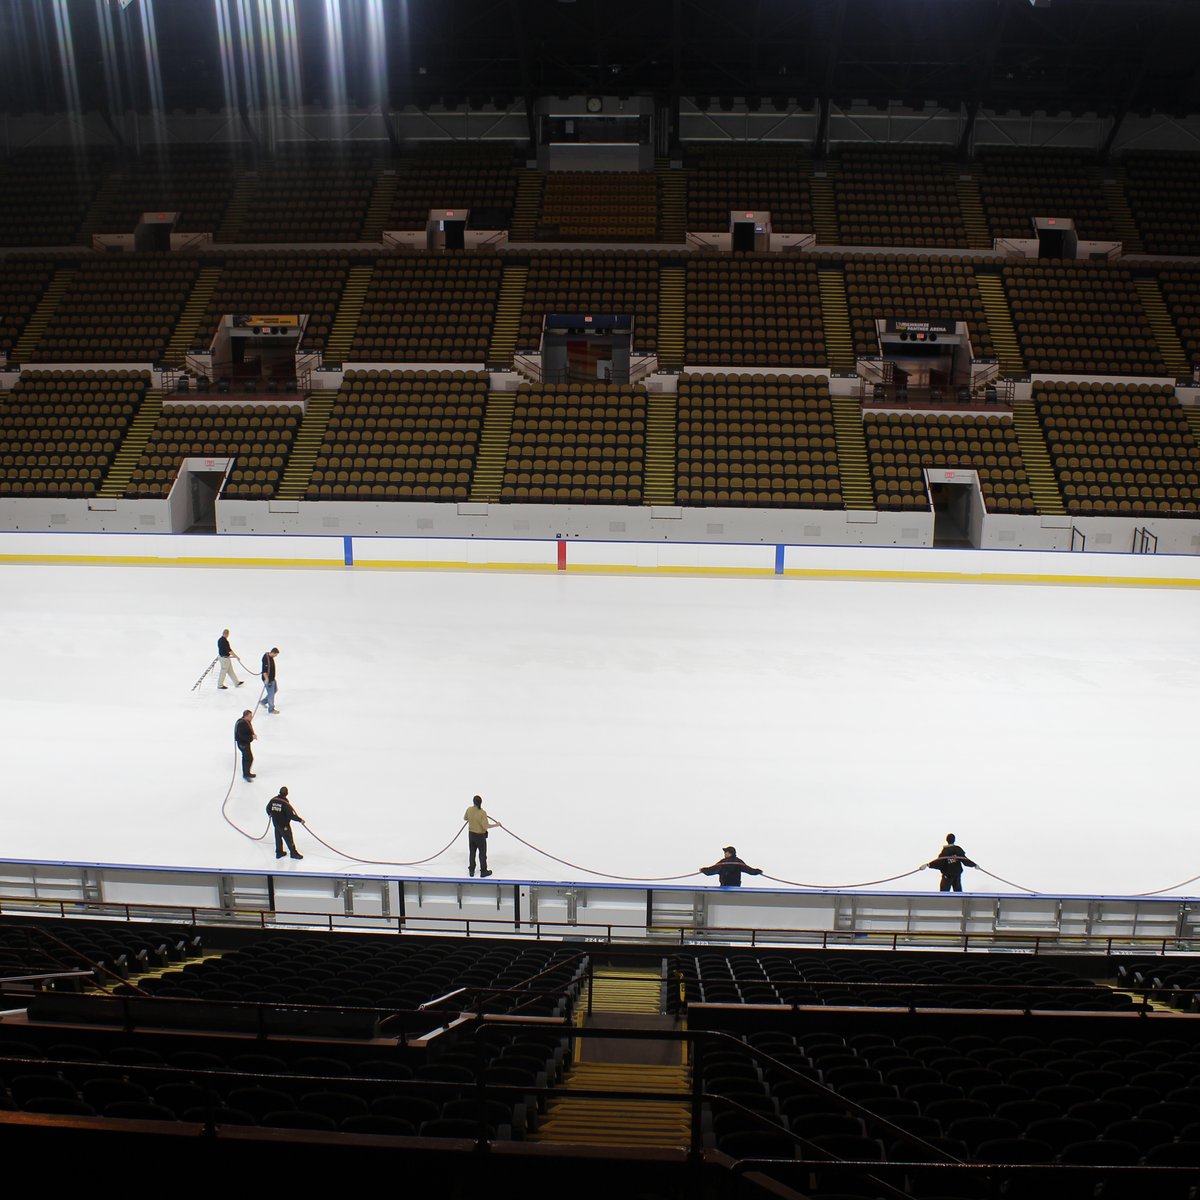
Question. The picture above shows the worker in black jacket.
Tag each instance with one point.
(282, 814)
(950, 862)
(729, 870)
(268, 678)
(243, 735)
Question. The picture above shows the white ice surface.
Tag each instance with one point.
(833, 731)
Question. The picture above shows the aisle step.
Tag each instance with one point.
(52, 297)
(1039, 469)
(307, 445)
(132, 446)
(345, 321)
(1004, 336)
(506, 325)
(624, 1120)
(672, 201)
(659, 486)
(494, 440)
(238, 208)
(527, 206)
(835, 317)
(379, 209)
(1116, 199)
(1165, 334)
(974, 217)
(854, 469)
(824, 210)
(193, 313)
(672, 317)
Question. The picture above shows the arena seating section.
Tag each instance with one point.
(315, 195)
(197, 182)
(292, 284)
(22, 282)
(121, 308)
(258, 438)
(598, 206)
(482, 179)
(1081, 317)
(577, 443)
(605, 282)
(45, 194)
(1162, 190)
(726, 179)
(835, 1064)
(760, 310)
(897, 198)
(758, 440)
(1120, 450)
(1017, 185)
(879, 287)
(60, 430)
(426, 308)
(901, 445)
(757, 312)
(404, 435)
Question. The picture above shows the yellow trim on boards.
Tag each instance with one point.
(829, 573)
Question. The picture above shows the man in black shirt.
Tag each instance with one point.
(225, 653)
(243, 735)
(729, 869)
(282, 814)
(268, 678)
(950, 862)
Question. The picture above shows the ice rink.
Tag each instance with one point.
(833, 731)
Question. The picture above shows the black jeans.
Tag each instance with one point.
(283, 833)
(951, 883)
(247, 759)
(477, 844)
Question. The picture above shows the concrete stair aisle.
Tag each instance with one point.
(132, 447)
(345, 321)
(506, 324)
(672, 201)
(824, 208)
(624, 1120)
(234, 217)
(379, 210)
(835, 318)
(56, 289)
(1116, 200)
(854, 470)
(527, 207)
(307, 444)
(99, 218)
(1165, 335)
(1004, 336)
(659, 485)
(970, 204)
(494, 440)
(1043, 483)
(626, 990)
(672, 317)
(631, 997)
(193, 313)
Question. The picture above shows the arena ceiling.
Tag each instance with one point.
(1109, 56)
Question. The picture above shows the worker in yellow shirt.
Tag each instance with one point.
(478, 824)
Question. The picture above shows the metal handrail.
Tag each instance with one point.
(536, 929)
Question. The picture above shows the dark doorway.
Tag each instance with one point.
(203, 498)
(952, 513)
(743, 236)
(456, 235)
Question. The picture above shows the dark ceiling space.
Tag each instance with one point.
(1097, 55)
